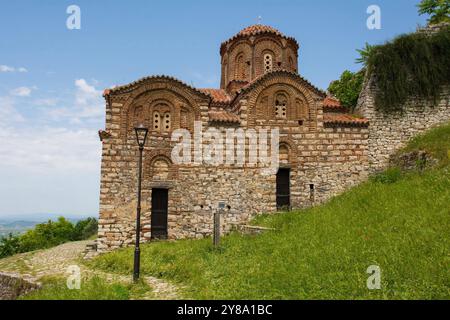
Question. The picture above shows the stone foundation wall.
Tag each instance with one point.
(390, 132)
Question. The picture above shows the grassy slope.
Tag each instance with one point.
(324, 252)
(93, 289)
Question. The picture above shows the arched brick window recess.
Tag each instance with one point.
(166, 122)
(160, 169)
(156, 121)
(284, 152)
(268, 62)
(281, 106)
(240, 67)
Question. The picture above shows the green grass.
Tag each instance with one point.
(400, 223)
(93, 289)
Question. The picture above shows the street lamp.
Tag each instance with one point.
(141, 136)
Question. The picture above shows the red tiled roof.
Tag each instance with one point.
(133, 85)
(278, 72)
(330, 102)
(218, 95)
(223, 116)
(344, 119)
(258, 28)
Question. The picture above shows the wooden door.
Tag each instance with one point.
(159, 213)
(283, 189)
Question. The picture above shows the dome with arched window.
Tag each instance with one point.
(254, 51)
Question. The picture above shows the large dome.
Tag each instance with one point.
(253, 51)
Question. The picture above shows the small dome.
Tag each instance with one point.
(257, 29)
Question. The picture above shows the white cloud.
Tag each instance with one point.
(21, 92)
(85, 92)
(49, 102)
(5, 68)
(50, 149)
(8, 113)
(88, 105)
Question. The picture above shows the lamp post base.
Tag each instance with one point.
(137, 262)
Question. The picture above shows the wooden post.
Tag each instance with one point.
(217, 213)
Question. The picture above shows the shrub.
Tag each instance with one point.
(9, 245)
(46, 235)
(391, 175)
(412, 65)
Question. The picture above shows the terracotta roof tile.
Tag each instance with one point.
(281, 71)
(344, 119)
(223, 116)
(133, 85)
(331, 102)
(218, 95)
(256, 30)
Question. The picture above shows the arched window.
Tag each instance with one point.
(160, 169)
(281, 104)
(268, 62)
(156, 121)
(240, 67)
(166, 121)
(284, 154)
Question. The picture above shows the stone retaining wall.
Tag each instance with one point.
(12, 286)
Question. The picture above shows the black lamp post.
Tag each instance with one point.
(141, 136)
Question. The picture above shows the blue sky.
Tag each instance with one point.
(51, 78)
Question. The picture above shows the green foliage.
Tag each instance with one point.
(85, 229)
(412, 65)
(348, 88)
(365, 53)
(9, 245)
(391, 175)
(439, 10)
(46, 235)
(436, 142)
(92, 289)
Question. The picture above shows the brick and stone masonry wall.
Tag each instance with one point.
(330, 158)
(390, 132)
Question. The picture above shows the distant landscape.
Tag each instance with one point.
(17, 224)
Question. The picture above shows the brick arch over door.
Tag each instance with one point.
(291, 147)
(154, 171)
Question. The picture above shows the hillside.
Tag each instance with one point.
(398, 221)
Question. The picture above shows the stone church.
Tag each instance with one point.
(322, 147)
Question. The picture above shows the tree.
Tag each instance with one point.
(365, 53)
(439, 10)
(9, 245)
(348, 88)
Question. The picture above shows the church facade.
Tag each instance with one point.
(322, 148)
